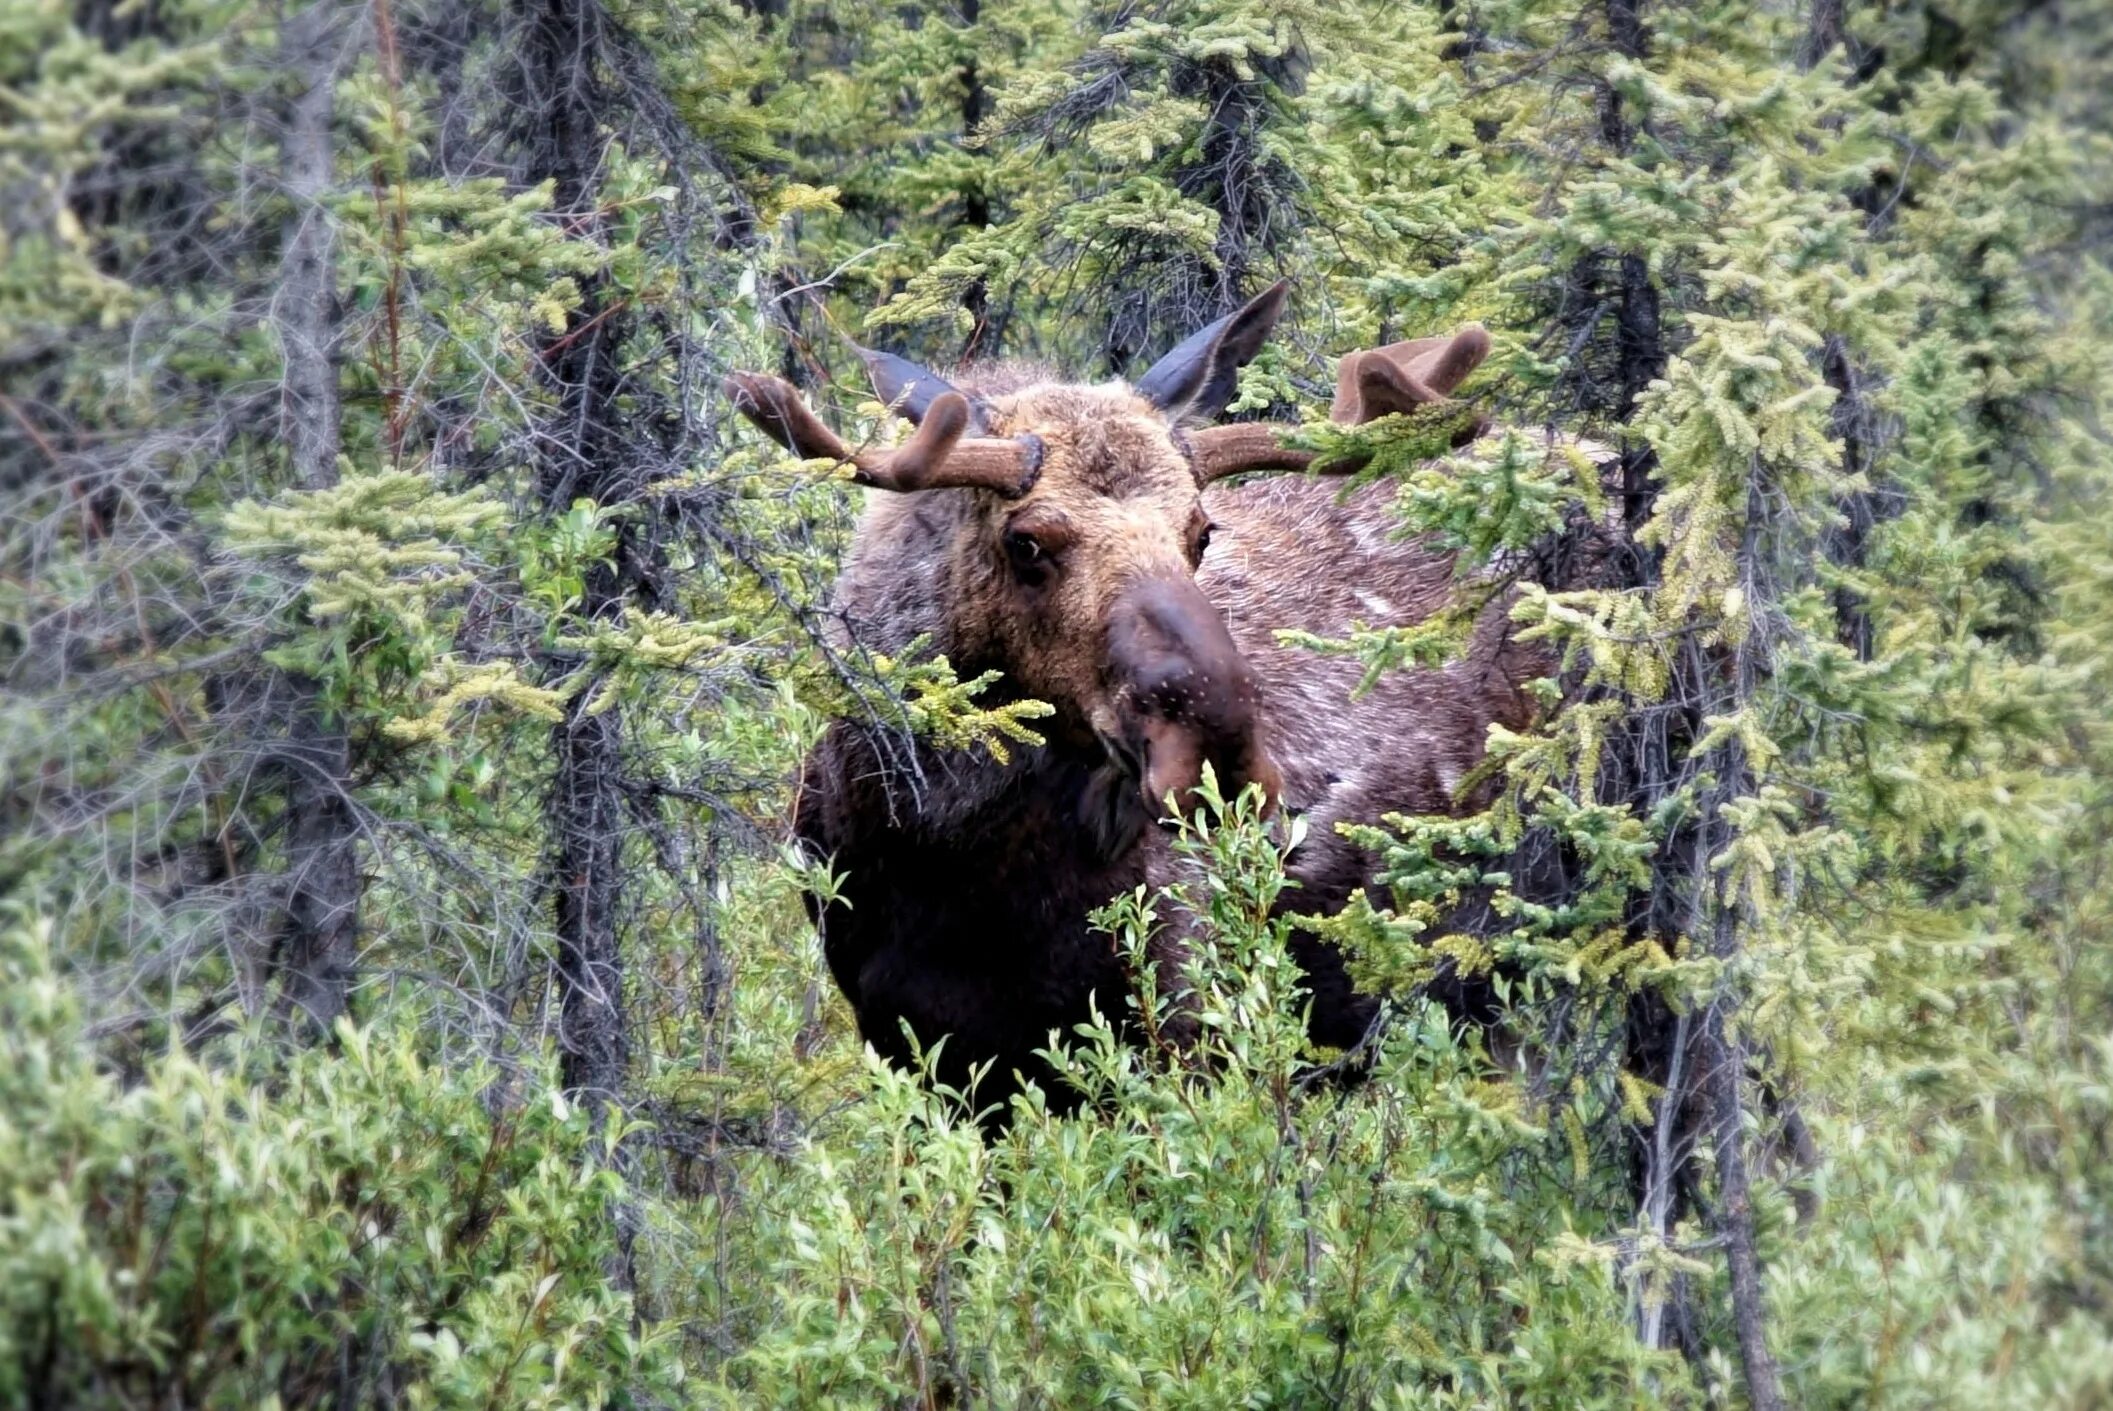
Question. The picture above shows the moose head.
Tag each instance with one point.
(1077, 522)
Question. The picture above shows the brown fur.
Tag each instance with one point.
(966, 893)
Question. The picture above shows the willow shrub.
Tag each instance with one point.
(361, 1229)
(1240, 1231)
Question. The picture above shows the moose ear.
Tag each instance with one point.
(911, 389)
(1198, 377)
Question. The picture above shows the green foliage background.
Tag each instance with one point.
(1830, 277)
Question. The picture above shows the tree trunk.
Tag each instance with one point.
(1723, 1060)
(1733, 1213)
(318, 951)
(1825, 31)
(561, 112)
(975, 205)
(1860, 509)
(586, 814)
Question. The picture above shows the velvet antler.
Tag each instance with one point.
(1369, 384)
(938, 453)
(1403, 376)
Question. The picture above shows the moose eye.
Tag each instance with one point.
(1029, 559)
(1199, 540)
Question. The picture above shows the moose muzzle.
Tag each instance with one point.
(1187, 695)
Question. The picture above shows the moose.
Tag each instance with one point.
(1085, 541)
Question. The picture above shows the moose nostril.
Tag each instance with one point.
(1191, 694)
(1125, 754)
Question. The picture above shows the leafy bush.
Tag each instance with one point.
(1236, 1231)
(357, 1227)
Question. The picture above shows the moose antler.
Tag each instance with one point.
(1369, 384)
(937, 454)
(1403, 376)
